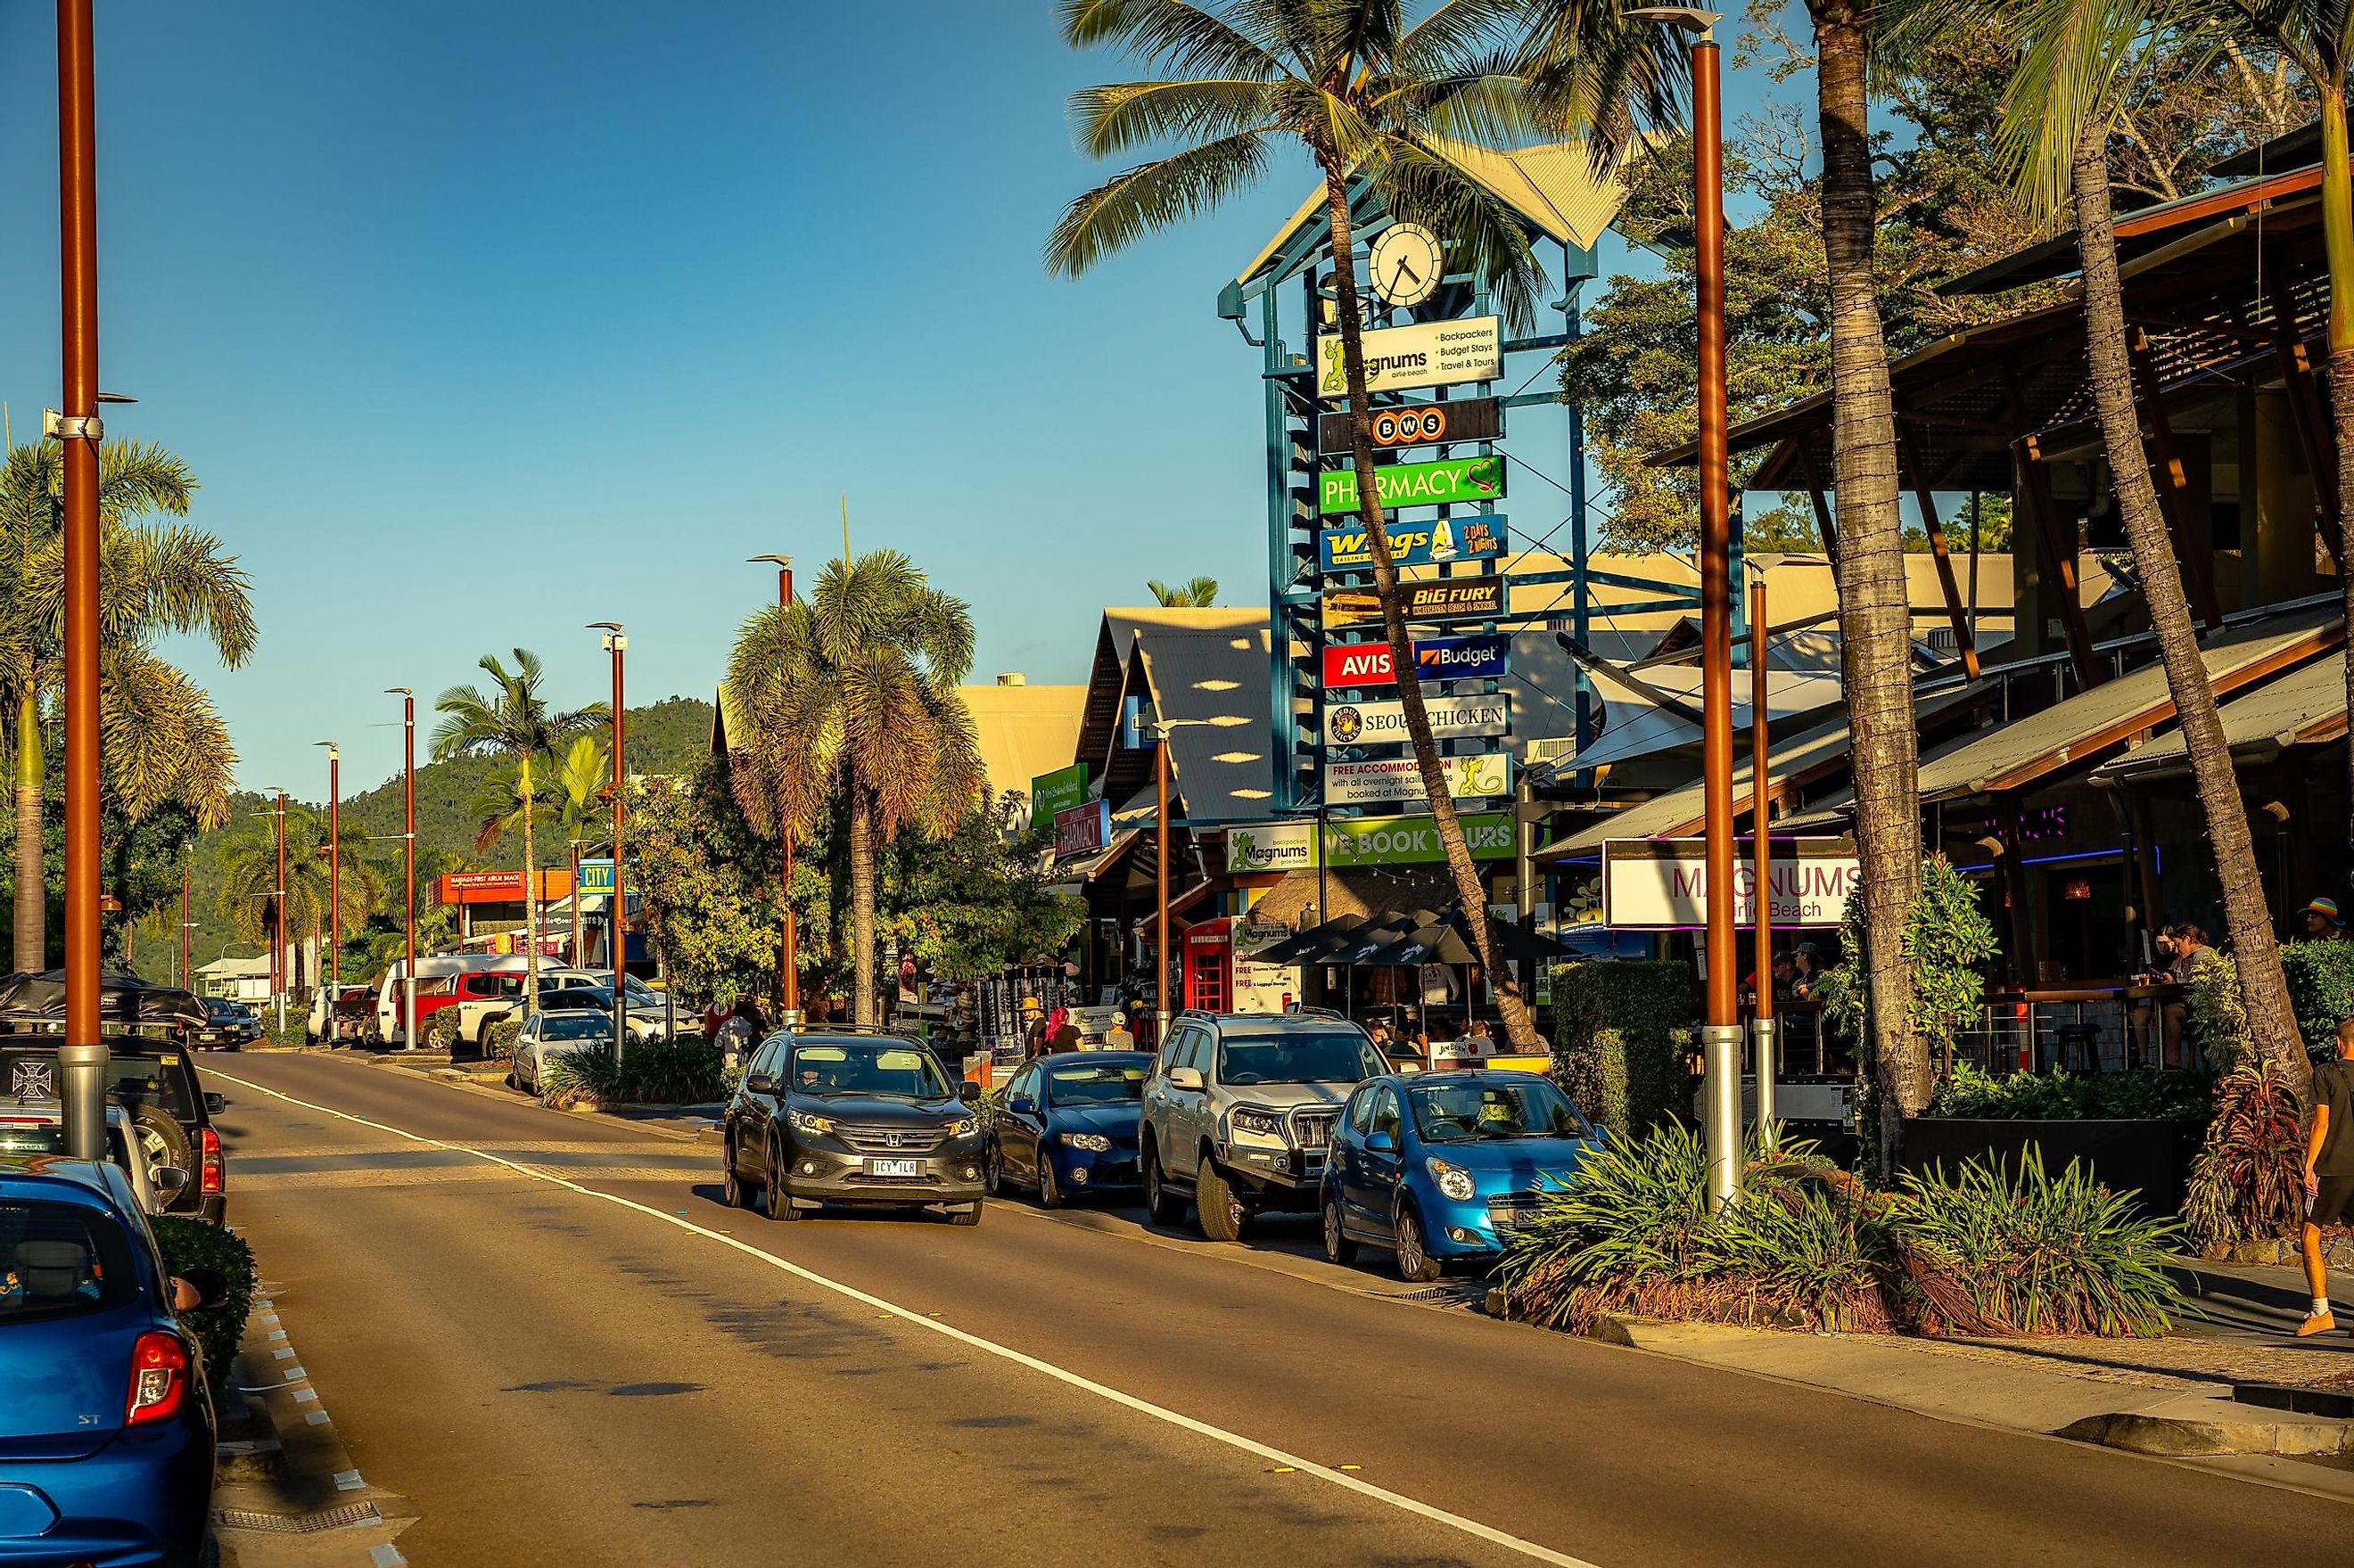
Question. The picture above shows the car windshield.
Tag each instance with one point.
(1341, 1056)
(857, 1067)
(575, 1026)
(1095, 1083)
(593, 997)
(1482, 1109)
(59, 1260)
(222, 1011)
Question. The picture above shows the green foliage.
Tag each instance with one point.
(1195, 593)
(247, 860)
(440, 1029)
(684, 1071)
(498, 1040)
(2248, 1181)
(2060, 1095)
(191, 1244)
(2218, 1020)
(2320, 978)
(973, 902)
(1946, 936)
(1618, 1028)
(708, 883)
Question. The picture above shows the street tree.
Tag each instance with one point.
(849, 696)
(248, 871)
(1376, 103)
(511, 719)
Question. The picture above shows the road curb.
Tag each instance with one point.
(2174, 1437)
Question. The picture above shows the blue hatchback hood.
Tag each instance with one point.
(1112, 1121)
(1520, 1163)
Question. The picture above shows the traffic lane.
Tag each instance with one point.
(1634, 1458)
(553, 1380)
(353, 1084)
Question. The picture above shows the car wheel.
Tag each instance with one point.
(779, 1207)
(164, 1141)
(1338, 1247)
(1167, 1208)
(965, 1216)
(1050, 1190)
(992, 1169)
(1218, 1205)
(731, 1180)
(512, 1082)
(1414, 1264)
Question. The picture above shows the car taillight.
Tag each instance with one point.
(159, 1378)
(215, 1173)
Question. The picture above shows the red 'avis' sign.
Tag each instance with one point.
(1359, 665)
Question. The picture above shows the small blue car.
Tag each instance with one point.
(1069, 1126)
(1438, 1167)
(106, 1425)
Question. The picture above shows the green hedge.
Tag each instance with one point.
(1619, 1030)
(685, 1071)
(498, 1040)
(192, 1243)
(2059, 1096)
(2320, 978)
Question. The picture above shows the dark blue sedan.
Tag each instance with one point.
(1069, 1125)
(1439, 1165)
(106, 1425)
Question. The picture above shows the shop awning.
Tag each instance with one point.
(2305, 707)
(1639, 723)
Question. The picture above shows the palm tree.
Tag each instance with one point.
(248, 868)
(512, 720)
(1376, 104)
(1199, 593)
(162, 739)
(850, 696)
(2079, 57)
(574, 790)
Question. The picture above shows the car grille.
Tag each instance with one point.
(1506, 1210)
(1313, 1129)
(890, 1139)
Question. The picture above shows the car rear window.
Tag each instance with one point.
(59, 1260)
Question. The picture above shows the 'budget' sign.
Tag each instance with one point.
(1661, 885)
(1474, 658)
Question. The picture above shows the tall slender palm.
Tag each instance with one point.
(2078, 59)
(574, 788)
(1378, 105)
(511, 719)
(1196, 593)
(850, 696)
(154, 580)
(248, 868)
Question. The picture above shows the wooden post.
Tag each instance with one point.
(1927, 502)
(2194, 546)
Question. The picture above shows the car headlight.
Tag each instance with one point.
(809, 1121)
(1093, 1142)
(964, 1127)
(1257, 1123)
(1453, 1180)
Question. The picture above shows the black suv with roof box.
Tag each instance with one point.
(157, 1086)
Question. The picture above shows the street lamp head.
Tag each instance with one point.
(398, 692)
(333, 752)
(774, 560)
(1700, 24)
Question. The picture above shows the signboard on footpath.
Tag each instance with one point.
(1082, 830)
(1051, 794)
(1399, 779)
(1262, 988)
(1418, 424)
(1429, 354)
(1448, 482)
(1258, 848)
(1450, 598)
(1413, 841)
(1415, 543)
(1476, 657)
(1372, 723)
(1661, 885)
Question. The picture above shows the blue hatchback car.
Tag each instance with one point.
(1438, 1167)
(1069, 1126)
(106, 1425)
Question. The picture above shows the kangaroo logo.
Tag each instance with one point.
(1336, 366)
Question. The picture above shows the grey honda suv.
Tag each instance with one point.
(1238, 1113)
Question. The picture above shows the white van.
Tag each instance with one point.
(438, 986)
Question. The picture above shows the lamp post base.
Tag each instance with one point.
(1762, 1052)
(1720, 1059)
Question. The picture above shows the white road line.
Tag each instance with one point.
(1470, 1527)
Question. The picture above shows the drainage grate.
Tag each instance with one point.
(297, 1524)
(1469, 1293)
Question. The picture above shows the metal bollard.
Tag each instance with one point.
(82, 1092)
(1762, 1051)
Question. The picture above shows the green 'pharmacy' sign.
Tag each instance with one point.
(1452, 481)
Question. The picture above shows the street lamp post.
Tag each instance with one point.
(1160, 728)
(788, 960)
(408, 861)
(279, 978)
(335, 881)
(1721, 1035)
(187, 877)
(617, 925)
(1761, 902)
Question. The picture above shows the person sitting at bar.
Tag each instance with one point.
(2148, 1020)
(2191, 954)
(1806, 971)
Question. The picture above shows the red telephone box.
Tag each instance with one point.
(1209, 965)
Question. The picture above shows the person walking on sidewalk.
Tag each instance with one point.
(2328, 1172)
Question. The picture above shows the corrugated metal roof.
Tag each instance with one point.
(2305, 707)
(1023, 731)
(1116, 639)
(1222, 772)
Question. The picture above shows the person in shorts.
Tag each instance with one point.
(2328, 1172)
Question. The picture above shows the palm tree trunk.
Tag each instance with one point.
(861, 903)
(2337, 245)
(32, 866)
(1875, 607)
(2246, 916)
(1510, 1004)
(531, 903)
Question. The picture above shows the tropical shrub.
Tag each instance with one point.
(2248, 1182)
(1618, 1029)
(192, 1243)
(685, 1071)
(2060, 1095)
(498, 1040)
(1946, 938)
(2217, 1021)
(440, 1030)
(2320, 978)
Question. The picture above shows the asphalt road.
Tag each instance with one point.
(609, 1367)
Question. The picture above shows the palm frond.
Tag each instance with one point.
(1122, 115)
(1177, 35)
(1153, 197)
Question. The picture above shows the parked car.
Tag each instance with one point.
(1069, 1126)
(106, 1425)
(860, 1119)
(39, 1127)
(338, 1014)
(169, 1109)
(227, 1026)
(498, 995)
(1238, 1110)
(444, 979)
(599, 999)
(547, 1035)
(1439, 1167)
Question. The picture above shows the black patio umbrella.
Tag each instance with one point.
(122, 998)
(1298, 948)
(1376, 938)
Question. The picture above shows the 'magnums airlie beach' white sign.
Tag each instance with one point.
(1661, 885)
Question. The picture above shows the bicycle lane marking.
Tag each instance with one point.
(1235, 1440)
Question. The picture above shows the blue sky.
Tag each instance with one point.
(479, 321)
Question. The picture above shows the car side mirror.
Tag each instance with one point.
(970, 1093)
(1380, 1143)
(168, 1179)
(215, 1103)
(1023, 1105)
(1186, 1079)
(759, 1084)
(210, 1285)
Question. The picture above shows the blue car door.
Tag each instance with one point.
(1344, 1166)
(1020, 1140)
(1382, 1167)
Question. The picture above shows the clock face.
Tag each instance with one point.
(1407, 264)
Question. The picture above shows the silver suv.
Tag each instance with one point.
(1239, 1114)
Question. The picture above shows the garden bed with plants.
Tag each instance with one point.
(680, 1072)
(2134, 1132)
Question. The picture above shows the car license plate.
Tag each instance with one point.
(895, 1167)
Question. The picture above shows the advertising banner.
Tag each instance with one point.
(1661, 885)
(1054, 793)
(1416, 544)
(1473, 658)
(1082, 830)
(1419, 424)
(1373, 724)
(1452, 598)
(596, 876)
(1448, 482)
(1413, 841)
(1270, 846)
(1262, 988)
(1429, 354)
(1399, 779)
